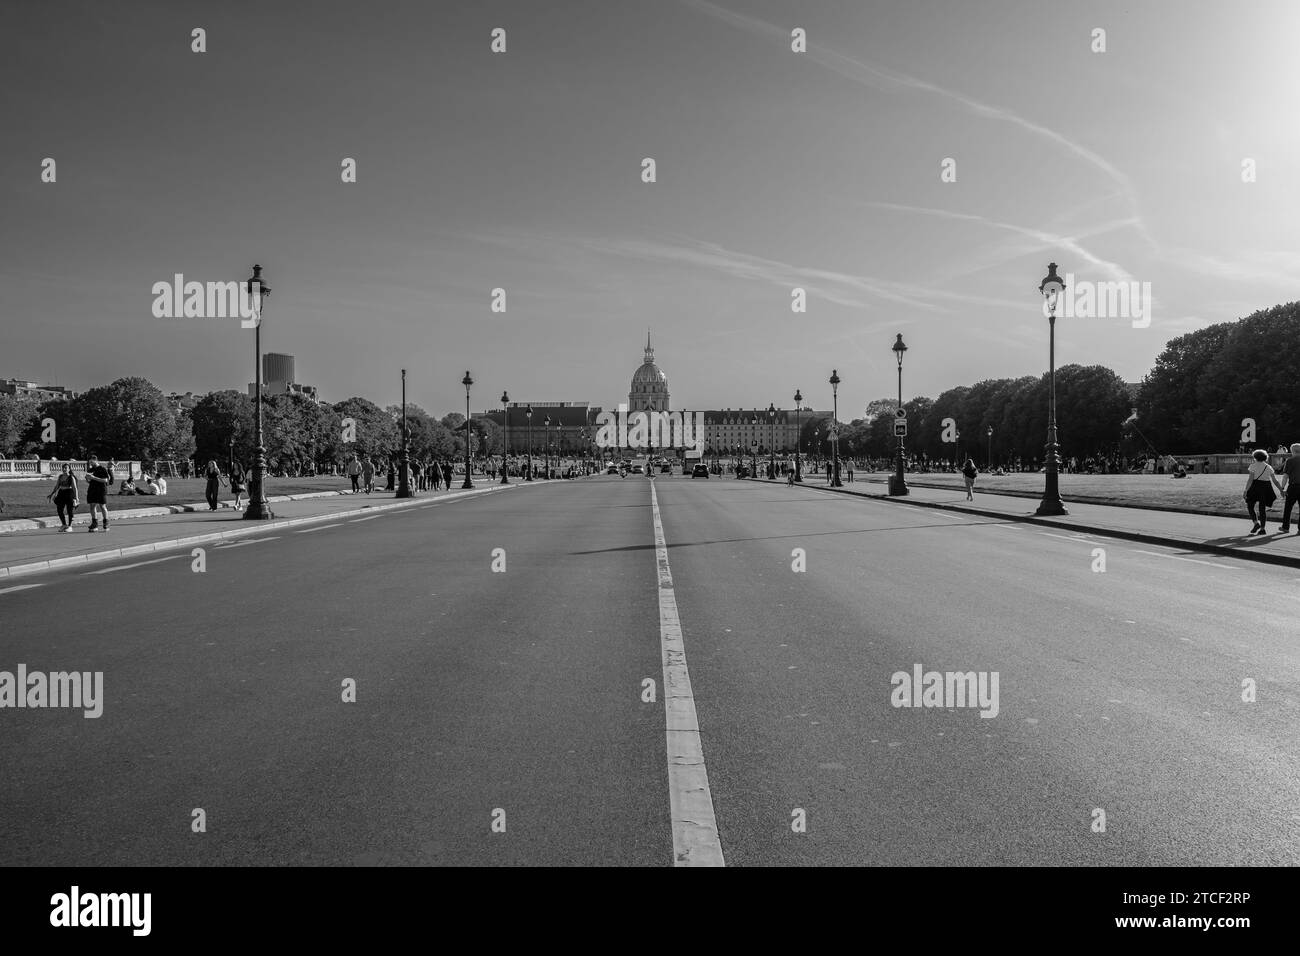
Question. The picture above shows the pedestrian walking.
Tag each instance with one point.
(849, 467)
(237, 482)
(64, 496)
(392, 476)
(446, 474)
(98, 478)
(354, 473)
(1291, 487)
(1260, 482)
(368, 473)
(969, 472)
(435, 474)
(212, 487)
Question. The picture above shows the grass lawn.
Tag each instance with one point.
(1200, 494)
(26, 499)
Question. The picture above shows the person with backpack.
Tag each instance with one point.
(969, 472)
(64, 496)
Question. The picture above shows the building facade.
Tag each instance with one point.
(20, 389)
(571, 429)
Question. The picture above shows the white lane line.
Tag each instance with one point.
(695, 829)
(21, 587)
(138, 564)
(370, 518)
(1175, 557)
(319, 528)
(1065, 537)
(240, 544)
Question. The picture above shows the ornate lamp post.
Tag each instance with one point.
(528, 416)
(467, 382)
(404, 469)
(505, 448)
(835, 429)
(771, 441)
(898, 483)
(798, 408)
(546, 447)
(1051, 504)
(258, 507)
(990, 448)
(753, 445)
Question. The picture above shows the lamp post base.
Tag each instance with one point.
(898, 486)
(258, 511)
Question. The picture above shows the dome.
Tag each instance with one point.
(649, 374)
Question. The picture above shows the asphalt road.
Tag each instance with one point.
(479, 691)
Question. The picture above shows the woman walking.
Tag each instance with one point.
(1260, 482)
(969, 471)
(212, 474)
(64, 496)
(237, 485)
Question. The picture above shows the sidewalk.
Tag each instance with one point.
(28, 552)
(1206, 533)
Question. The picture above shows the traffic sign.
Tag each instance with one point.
(900, 429)
(900, 414)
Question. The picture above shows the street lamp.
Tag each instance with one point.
(990, 459)
(467, 382)
(528, 415)
(771, 441)
(546, 447)
(404, 472)
(753, 445)
(258, 507)
(798, 408)
(1050, 288)
(835, 429)
(898, 483)
(505, 447)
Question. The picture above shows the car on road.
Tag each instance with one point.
(665, 469)
(700, 471)
(638, 470)
(612, 470)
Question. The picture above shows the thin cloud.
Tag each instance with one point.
(880, 77)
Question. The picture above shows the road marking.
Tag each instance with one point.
(21, 587)
(138, 564)
(320, 528)
(1066, 537)
(1175, 557)
(371, 518)
(240, 544)
(695, 829)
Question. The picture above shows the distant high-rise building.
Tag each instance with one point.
(278, 378)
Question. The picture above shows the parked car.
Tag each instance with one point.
(700, 471)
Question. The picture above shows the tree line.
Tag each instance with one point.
(131, 419)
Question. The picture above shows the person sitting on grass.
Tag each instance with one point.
(127, 487)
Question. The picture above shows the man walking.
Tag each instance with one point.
(368, 473)
(98, 478)
(446, 474)
(354, 473)
(1290, 474)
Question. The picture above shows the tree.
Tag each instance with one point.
(18, 415)
(127, 419)
(376, 432)
(217, 418)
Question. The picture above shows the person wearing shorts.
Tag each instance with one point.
(65, 497)
(969, 471)
(98, 478)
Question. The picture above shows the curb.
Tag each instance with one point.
(1261, 557)
(52, 521)
(261, 527)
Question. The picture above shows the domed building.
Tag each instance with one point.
(649, 392)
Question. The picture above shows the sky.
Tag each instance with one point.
(522, 170)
